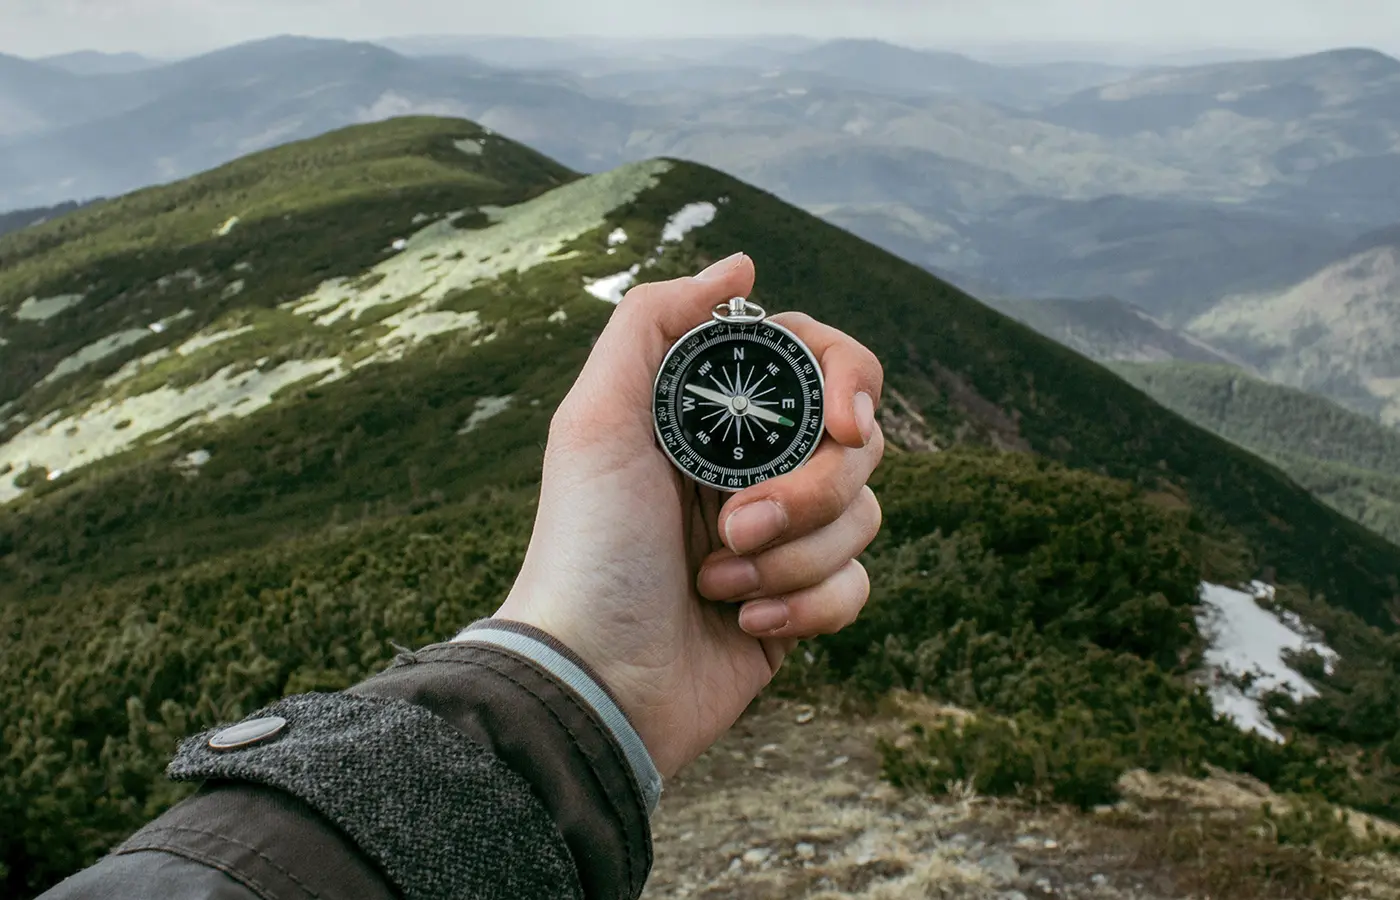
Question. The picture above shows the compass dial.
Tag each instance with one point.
(736, 404)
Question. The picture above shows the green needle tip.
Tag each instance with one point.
(784, 420)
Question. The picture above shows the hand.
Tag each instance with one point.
(621, 535)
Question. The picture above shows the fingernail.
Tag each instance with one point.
(763, 616)
(719, 269)
(865, 416)
(730, 578)
(754, 525)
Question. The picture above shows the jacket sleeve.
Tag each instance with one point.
(496, 765)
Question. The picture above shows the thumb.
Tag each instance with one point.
(614, 389)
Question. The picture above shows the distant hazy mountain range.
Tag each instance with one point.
(1224, 200)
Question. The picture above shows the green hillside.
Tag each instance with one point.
(260, 426)
(1349, 460)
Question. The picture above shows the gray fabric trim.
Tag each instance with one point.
(441, 816)
(579, 681)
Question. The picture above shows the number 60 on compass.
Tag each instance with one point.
(738, 400)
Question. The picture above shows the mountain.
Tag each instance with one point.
(23, 218)
(92, 62)
(207, 110)
(33, 97)
(262, 425)
(1106, 330)
(1343, 457)
(892, 69)
(1336, 332)
(1114, 245)
(111, 327)
(1104, 192)
(1295, 130)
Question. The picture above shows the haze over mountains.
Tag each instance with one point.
(1230, 204)
(1018, 177)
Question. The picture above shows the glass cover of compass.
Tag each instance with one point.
(738, 400)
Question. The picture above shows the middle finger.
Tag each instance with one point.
(796, 564)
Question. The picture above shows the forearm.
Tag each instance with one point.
(464, 770)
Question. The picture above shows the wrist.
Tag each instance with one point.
(542, 648)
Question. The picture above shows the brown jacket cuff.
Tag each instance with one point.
(553, 740)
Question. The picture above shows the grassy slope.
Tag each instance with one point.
(968, 368)
(1349, 460)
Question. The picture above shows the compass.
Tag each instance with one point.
(738, 400)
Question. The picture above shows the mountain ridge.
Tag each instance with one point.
(992, 384)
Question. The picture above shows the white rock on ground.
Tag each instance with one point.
(1246, 639)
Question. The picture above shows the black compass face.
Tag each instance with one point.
(737, 404)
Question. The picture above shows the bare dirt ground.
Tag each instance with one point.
(790, 805)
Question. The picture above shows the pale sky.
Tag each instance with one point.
(179, 27)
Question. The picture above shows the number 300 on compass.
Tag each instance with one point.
(737, 403)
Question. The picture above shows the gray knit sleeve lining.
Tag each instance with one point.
(581, 683)
(411, 793)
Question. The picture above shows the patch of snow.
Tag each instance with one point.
(224, 229)
(37, 310)
(77, 440)
(691, 216)
(54, 475)
(486, 408)
(420, 218)
(558, 316)
(612, 287)
(234, 289)
(398, 245)
(156, 327)
(469, 146)
(200, 341)
(242, 266)
(1247, 640)
(618, 236)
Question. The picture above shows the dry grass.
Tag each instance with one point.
(786, 810)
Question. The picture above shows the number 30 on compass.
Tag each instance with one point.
(738, 399)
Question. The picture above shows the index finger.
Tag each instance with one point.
(815, 495)
(849, 369)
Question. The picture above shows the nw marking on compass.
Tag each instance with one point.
(738, 407)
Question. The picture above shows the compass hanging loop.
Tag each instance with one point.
(739, 311)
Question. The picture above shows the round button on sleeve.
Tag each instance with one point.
(245, 734)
